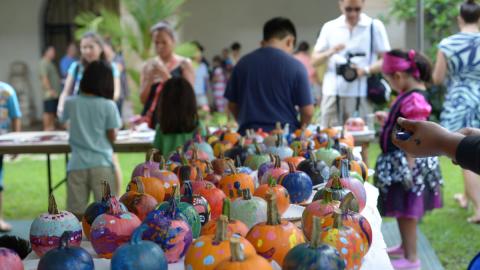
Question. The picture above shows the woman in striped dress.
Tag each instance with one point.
(458, 66)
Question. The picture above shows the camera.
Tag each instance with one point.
(347, 71)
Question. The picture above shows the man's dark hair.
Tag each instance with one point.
(303, 47)
(236, 46)
(470, 11)
(279, 28)
(98, 79)
(46, 48)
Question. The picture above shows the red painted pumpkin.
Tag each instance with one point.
(215, 197)
(199, 203)
(319, 209)
(112, 229)
(275, 237)
(208, 251)
(233, 227)
(281, 193)
(211, 176)
(151, 185)
(219, 164)
(233, 183)
(242, 261)
(138, 202)
(95, 209)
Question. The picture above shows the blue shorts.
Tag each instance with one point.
(1, 173)
(50, 106)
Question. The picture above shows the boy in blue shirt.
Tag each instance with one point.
(9, 120)
(93, 118)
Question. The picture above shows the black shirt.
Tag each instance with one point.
(468, 153)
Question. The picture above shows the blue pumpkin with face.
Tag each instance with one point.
(298, 184)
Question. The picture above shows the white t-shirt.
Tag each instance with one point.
(358, 40)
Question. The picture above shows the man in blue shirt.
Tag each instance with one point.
(69, 58)
(269, 85)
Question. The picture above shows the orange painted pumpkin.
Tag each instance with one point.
(303, 132)
(331, 132)
(295, 160)
(214, 197)
(208, 251)
(200, 164)
(346, 240)
(185, 171)
(168, 178)
(274, 238)
(138, 202)
(281, 193)
(240, 261)
(220, 147)
(233, 227)
(231, 136)
(319, 209)
(152, 186)
(346, 138)
(233, 183)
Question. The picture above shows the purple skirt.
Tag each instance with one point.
(406, 192)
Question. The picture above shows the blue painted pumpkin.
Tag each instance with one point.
(9, 260)
(46, 230)
(66, 257)
(298, 184)
(313, 255)
(138, 254)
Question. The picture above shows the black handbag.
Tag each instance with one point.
(378, 89)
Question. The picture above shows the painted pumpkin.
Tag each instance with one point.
(233, 183)
(303, 133)
(340, 146)
(352, 184)
(254, 161)
(319, 209)
(320, 139)
(219, 165)
(331, 132)
(266, 166)
(139, 254)
(21, 246)
(220, 147)
(262, 133)
(198, 162)
(275, 237)
(231, 136)
(46, 229)
(65, 257)
(318, 170)
(151, 185)
(355, 124)
(327, 154)
(233, 227)
(314, 255)
(276, 171)
(112, 229)
(192, 217)
(186, 171)
(249, 209)
(336, 188)
(281, 150)
(95, 209)
(211, 176)
(170, 230)
(138, 202)
(199, 203)
(208, 251)
(354, 164)
(9, 260)
(214, 197)
(281, 193)
(240, 260)
(298, 184)
(240, 150)
(201, 145)
(352, 219)
(295, 159)
(151, 163)
(168, 178)
(346, 240)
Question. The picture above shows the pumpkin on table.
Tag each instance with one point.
(295, 159)
(112, 229)
(233, 227)
(319, 209)
(187, 210)
(276, 171)
(346, 240)
(335, 187)
(281, 193)
(200, 204)
(240, 150)
(169, 229)
(240, 260)
(168, 178)
(47, 229)
(254, 161)
(330, 131)
(21, 246)
(320, 139)
(151, 163)
(214, 197)
(233, 183)
(152, 186)
(139, 254)
(9, 260)
(198, 143)
(231, 136)
(281, 150)
(138, 202)
(318, 170)
(211, 176)
(313, 255)
(208, 251)
(354, 164)
(249, 209)
(327, 154)
(66, 257)
(185, 171)
(275, 237)
(298, 184)
(355, 124)
(346, 138)
(269, 165)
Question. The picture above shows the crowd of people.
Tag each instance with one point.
(278, 82)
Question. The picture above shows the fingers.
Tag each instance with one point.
(406, 124)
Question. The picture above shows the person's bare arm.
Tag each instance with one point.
(306, 115)
(188, 72)
(233, 108)
(440, 70)
(69, 81)
(111, 135)
(116, 88)
(146, 82)
(16, 125)
(319, 58)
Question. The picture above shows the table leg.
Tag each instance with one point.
(49, 175)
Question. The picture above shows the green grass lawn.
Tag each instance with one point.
(455, 241)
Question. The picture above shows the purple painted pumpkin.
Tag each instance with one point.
(275, 172)
(46, 230)
(150, 164)
(298, 184)
(9, 260)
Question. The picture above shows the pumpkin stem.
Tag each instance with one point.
(327, 195)
(337, 219)
(64, 239)
(279, 140)
(172, 206)
(236, 250)
(238, 161)
(221, 231)
(278, 162)
(137, 234)
(114, 206)
(316, 233)
(246, 194)
(188, 191)
(272, 158)
(162, 163)
(344, 168)
(336, 184)
(226, 209)
(151, 154)
(232, 168)
(349, 202)
(176, 192)
(106, 191)
(273, 217)
(272, 182)
(257, 148)
(52, 205)
(139, 184)
(291, 167)
(349, 155)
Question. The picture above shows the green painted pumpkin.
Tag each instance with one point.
(255, 160)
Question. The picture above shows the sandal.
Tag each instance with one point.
(473, 220)
(461, 200)
(4, 226)
(396, 251)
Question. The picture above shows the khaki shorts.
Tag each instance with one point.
(347, 106)
(81, 182)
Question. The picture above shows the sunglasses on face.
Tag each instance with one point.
(353, 9)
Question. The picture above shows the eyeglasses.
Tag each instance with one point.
(353, 9)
